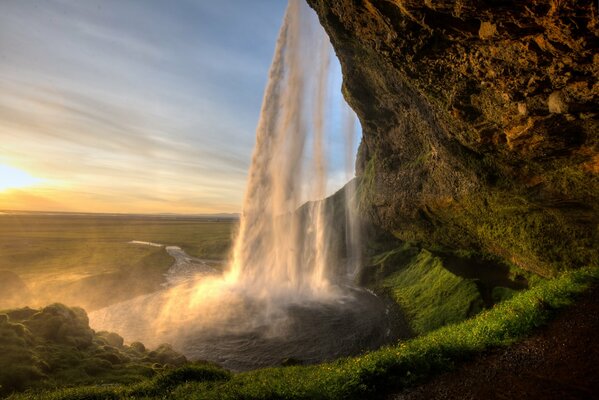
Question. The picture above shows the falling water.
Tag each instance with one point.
(289, 281)
(280, 251)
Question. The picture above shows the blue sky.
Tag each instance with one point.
(132, 106)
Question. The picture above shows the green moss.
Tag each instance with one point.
(430, 295)
(545, 239)
(19, 365)
(500, 294)
(422, 159)
(366, 187)
(536, 238)
(387, 262)
(55, 347)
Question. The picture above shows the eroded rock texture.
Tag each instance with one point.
(480, 122)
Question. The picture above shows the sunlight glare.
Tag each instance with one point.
(13, 178)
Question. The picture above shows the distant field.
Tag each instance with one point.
(86, 260)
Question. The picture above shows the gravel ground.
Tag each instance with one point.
(561, 361)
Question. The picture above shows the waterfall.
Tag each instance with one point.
(289, 278)
(281, 250)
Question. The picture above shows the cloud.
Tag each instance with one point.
(133, 105)
(139, 105)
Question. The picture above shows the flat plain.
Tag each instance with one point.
(86, 259)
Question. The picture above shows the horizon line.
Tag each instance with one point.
(233, 215)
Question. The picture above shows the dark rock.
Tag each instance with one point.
(465, 143)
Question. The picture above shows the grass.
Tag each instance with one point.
(430, 295)
(59, 257)
(372, 374)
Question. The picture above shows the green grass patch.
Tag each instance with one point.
(375, 373)
(430, 295)
(500, 294)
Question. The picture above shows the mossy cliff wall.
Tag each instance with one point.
(479, 122)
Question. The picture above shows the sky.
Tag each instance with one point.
(131, 106)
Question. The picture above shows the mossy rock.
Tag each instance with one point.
(191, 373)
(61, 324)
(95, 366)
(55, 346)
(111, 338)
(20, 314)
(165, 354)
(138, 346)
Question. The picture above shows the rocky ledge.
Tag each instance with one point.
(479, 122)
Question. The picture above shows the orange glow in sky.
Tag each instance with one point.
(122, 115)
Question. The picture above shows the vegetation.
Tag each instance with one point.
(368, 375)
(55, 345)
(439, 287)
(546, 239)
(50, 258)
(430, 295)
(366, 186)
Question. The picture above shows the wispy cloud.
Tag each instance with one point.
(137, 105)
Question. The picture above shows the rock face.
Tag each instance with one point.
(479, 122)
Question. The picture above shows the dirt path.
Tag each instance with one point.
(561, 361)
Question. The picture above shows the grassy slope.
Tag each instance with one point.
(374, 373)
(61, 256)
(430, 295)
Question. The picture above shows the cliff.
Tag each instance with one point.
(479, 123)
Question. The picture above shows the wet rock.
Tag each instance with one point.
(522, 109)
